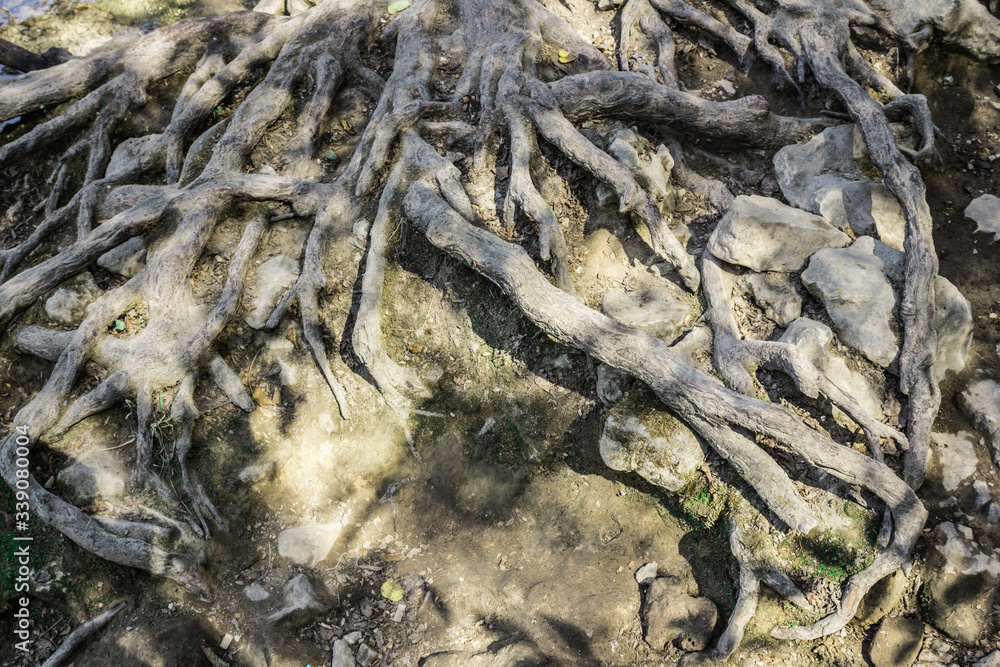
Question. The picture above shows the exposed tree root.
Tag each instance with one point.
(501, 100)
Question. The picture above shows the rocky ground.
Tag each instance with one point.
(537, 508)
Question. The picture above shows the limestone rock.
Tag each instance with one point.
(872, 210)
(68, 305)
(301, 603)
(953, 324)
(342, 655)
(991, 660)
(897, 642)
(127, 259)
(775, 294)
(831, 175)
(92, 476)
(814, 339)
(308, 545)
(882, 599)
(851, 284)
(962, 582)
(674, 616)
(985, 212)
(640, 435)
(256, 593)
(966, 24)
(981, 404)
(953, 458)
(952, 317)
(654, 306)
(765, 235)
(274, 277)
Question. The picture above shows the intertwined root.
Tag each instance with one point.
(500, 100)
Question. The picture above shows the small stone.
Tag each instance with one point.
(308, 545)
(342, 655)
(674, 616)
(256, 593)
(300, 602)
(127, 259)
(985, 212)
(953, 458)
(726, 86)
(610, 382)
(68, 305)
(765, 235)
(983, 495)
(775, 294)
(646, 574)
(991, 660)
(897, 642)
(226, 642)
(366, 656)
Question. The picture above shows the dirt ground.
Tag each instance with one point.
(502, 504)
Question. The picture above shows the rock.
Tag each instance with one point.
(897, 642)
(953, 325)
(520, 654)
(256, 593)
(127, 259)
(300, 602)
(966, 24)
(981, 404)
(830, 175)
(640, 435)
(993, 516)
(308, 545)
(775, 294)
(68, 305)
(983, 495)
(952, 316)
(991, 660)
(93, 476)
(654, 306)
(646, 574)
(610, 383)
(962, 581)
(674, 616)
(342, 655)
(135, 154)
(872, 210)
(985, 212)
(814, 339)
(882, 599)
(765, 235)
(953, 458)
(366, 655)
(274, 277)
(852, 286)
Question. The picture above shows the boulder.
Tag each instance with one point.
(966, 24)
(851, 284)
(897, 642)
(776, 296)
(831, 175)
(308, 545)
(68, 304)
(672, 615)
(981, 404)
(641, 436)
(274, 277)
(953, 458)
(763, 234)
(93, 476)
(961, 583)
(985, 212)
(655, 306)
(126, 259)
